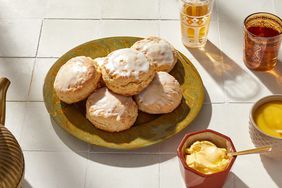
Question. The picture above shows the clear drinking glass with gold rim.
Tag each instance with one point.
(195, 18)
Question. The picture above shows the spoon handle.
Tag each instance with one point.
(251, 151)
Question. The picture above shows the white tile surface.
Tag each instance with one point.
(23, 44)
(251, 171)
(130, 9)
(15, 114)
(54, 169)
(59, 36)
(212, 75)
(18, 71)
(42, 66)
(22, 9)
(278, 7)
(231, 38)
(41, 134)
(122, 170)
(73, 9)
(170, 175)
(139, 28)
(169, 9)
(238, 10)
(237, 124)
(242, 85)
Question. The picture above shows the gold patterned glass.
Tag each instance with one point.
(195, 18)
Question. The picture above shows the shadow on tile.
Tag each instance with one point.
(26, 184)
(237, 182)
(238, 84)
(271, 79)
(18, 71)
(70, 141)
(273, 168)
(201, 122)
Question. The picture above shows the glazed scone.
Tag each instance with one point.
(109, 111)
(162, 53)
(163, 95)
(99, 61)
(76, 79)
(127, 72)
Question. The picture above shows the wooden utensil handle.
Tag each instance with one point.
(4, 84)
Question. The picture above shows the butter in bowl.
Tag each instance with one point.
(204, 159)
(266, 124)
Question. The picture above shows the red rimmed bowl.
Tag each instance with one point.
(194, 178)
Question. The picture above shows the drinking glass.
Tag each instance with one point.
(263, 34)
(195, 18)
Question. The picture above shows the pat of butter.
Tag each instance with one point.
(206, 157)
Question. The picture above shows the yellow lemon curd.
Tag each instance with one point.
(268, 118)
(206, 157)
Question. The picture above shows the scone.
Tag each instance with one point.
(76, 79)
(99, 61)
(163, 95)
(162, 53)
(109, 111)
(127, 72)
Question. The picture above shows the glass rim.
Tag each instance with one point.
(185, 1)
(259, 37)
(208, 14)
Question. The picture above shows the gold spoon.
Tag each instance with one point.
(252, 151)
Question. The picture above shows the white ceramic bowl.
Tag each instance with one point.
(261, 138)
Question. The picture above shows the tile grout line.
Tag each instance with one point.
(39, 38)
(86, 169)
(133, 19)
(159, 20)
(159, 163)
(22, 127)
(159, 9)
(20, 101)
(274, 7)
(220, 47)
(34, 62)
(17, 57)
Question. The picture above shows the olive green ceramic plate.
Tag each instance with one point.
(148, 129)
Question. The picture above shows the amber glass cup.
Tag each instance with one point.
(263, 34)
(195, 18)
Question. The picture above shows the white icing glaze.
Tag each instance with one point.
(127, 62)
(100, 61)
(157, 49)
(73, 73)
(107, 104)
(161, 91)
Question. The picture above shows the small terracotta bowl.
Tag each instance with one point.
(194, 178)
(261, 138)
